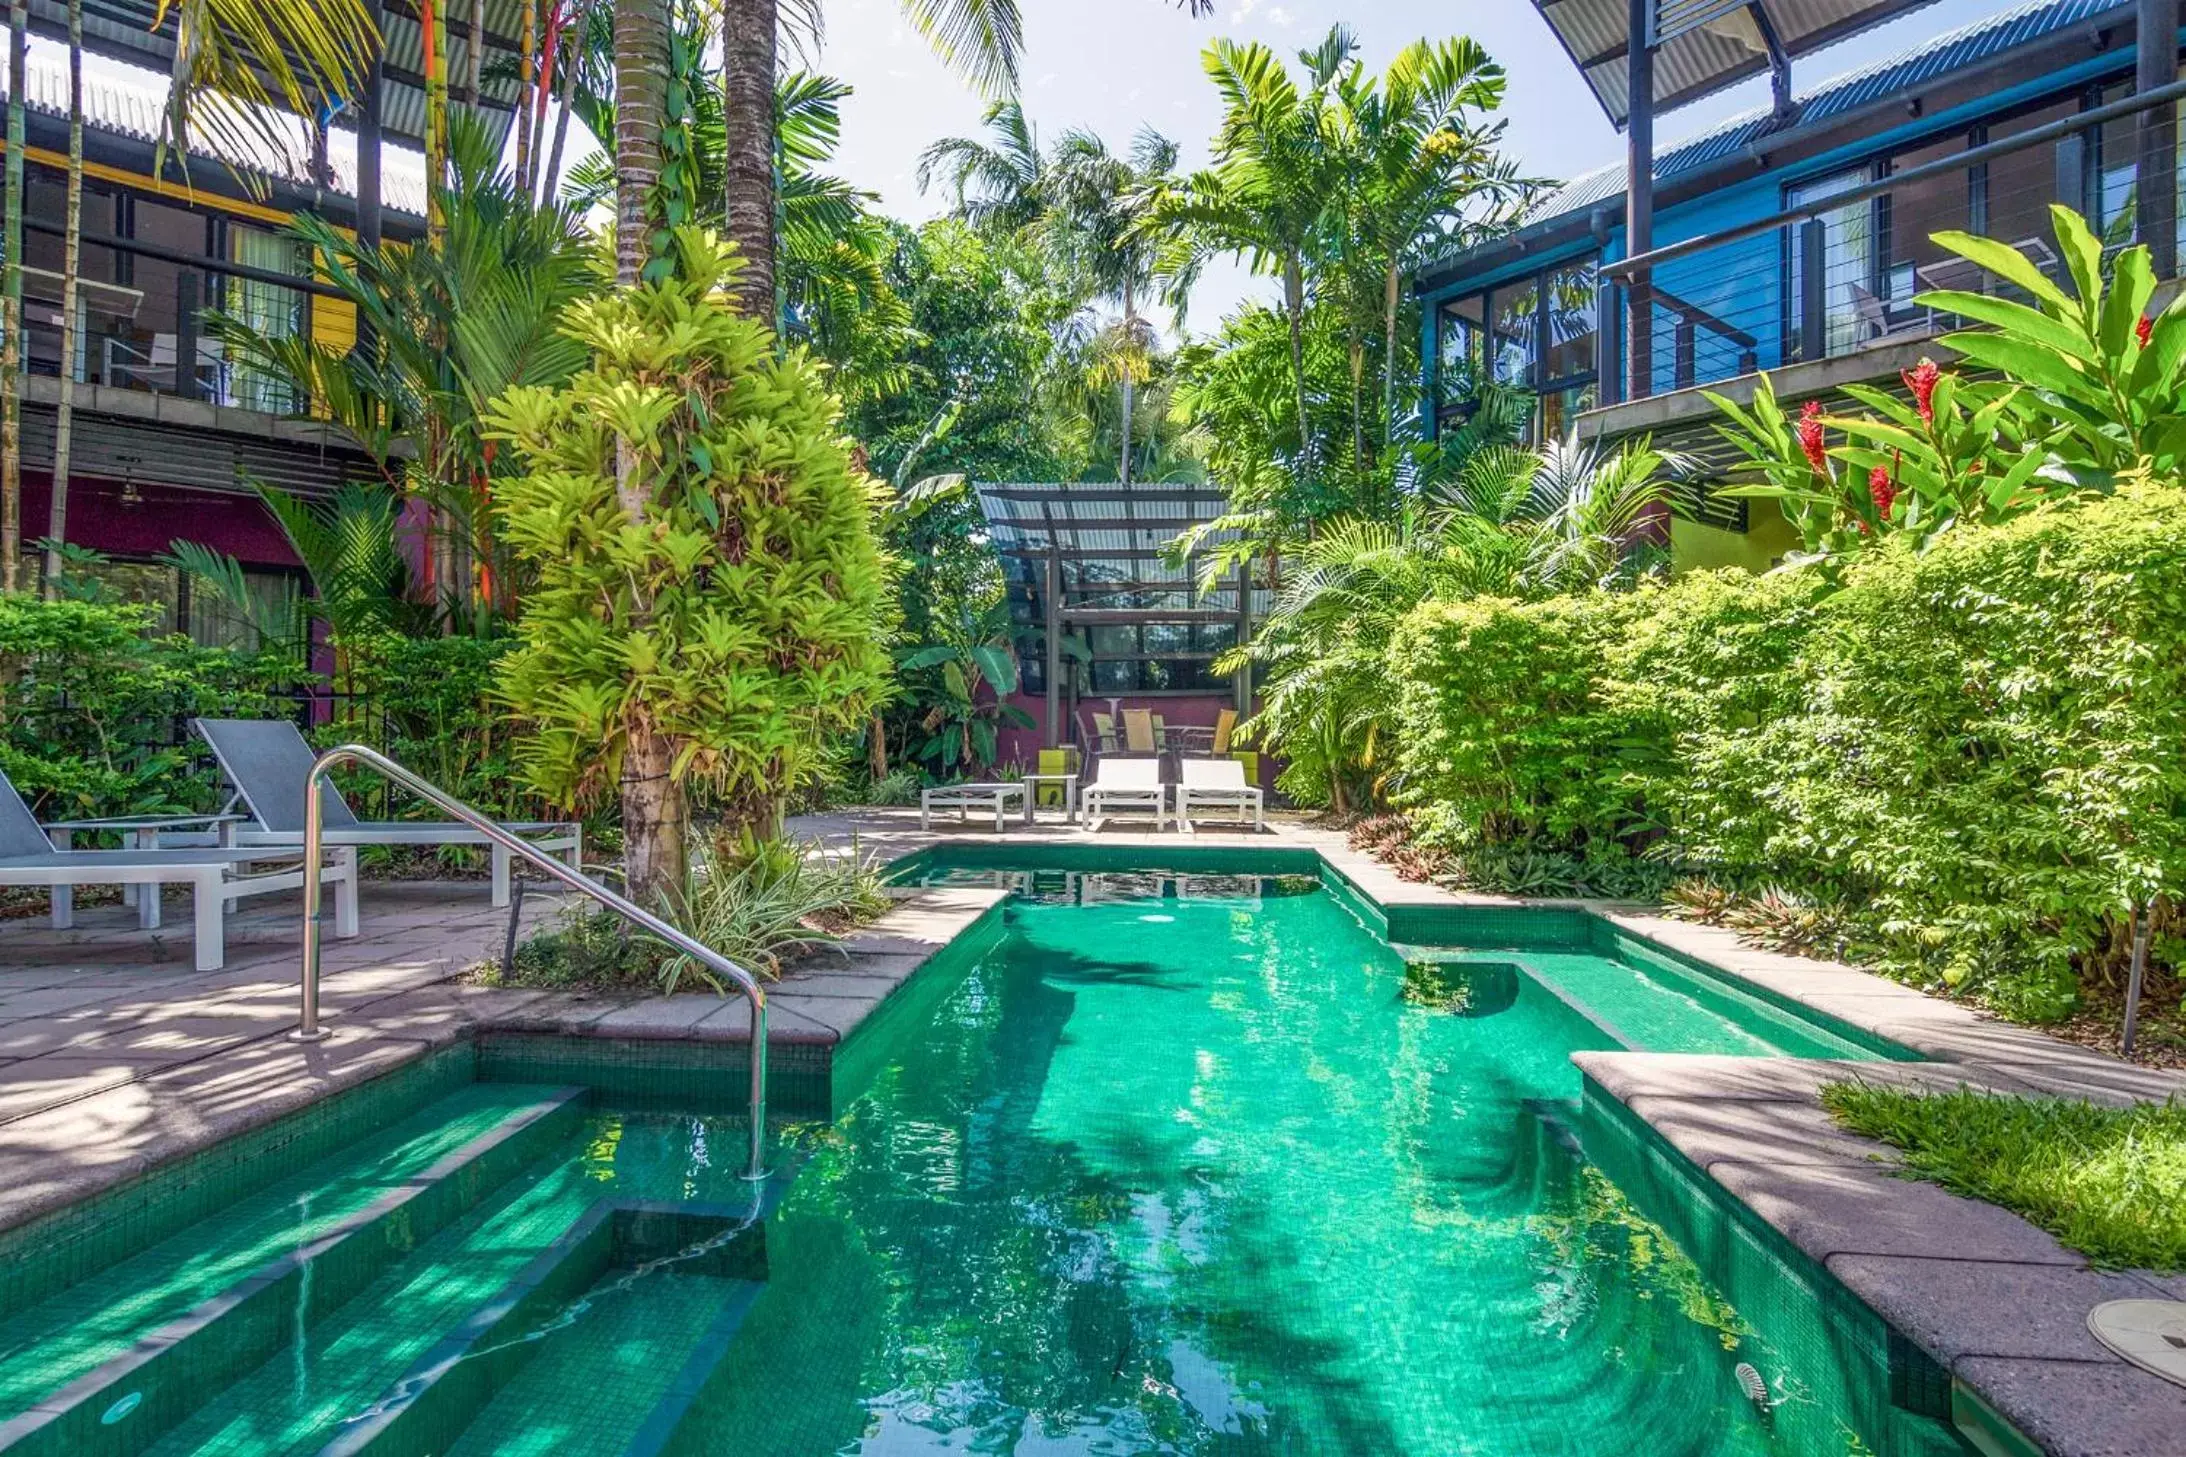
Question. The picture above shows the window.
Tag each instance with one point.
(1538, 333)
(272, 310)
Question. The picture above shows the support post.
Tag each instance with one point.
(2155, 180)
(1813, 291)
(186, 299)
(1243, 683)
(1054, 648)
(368, 146)
(1639, 199)
(2135, 976)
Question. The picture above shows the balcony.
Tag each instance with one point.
(1827, 291)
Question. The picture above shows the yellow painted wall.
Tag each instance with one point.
(1767, 538)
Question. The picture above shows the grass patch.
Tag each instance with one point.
(2108, 1182)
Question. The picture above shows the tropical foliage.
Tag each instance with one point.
(711, 600)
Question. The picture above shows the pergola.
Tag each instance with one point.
(1642, 56)
(1093, 560)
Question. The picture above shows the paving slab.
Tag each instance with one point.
(2086, 1408)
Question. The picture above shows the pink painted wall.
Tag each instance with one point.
(99, 519)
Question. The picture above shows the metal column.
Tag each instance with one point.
(1054, 648)
(2155, 173)
(368, 146)
(1243, 682)
(1639, 199)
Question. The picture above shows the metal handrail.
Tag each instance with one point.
(307, 1024)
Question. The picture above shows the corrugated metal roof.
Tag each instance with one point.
(1702, 46)
(135, 32)
(118, 108)
(1956, 50)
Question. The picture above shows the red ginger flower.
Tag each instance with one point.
(1810, 435)
(1882, 490)
(1921, 380)
(2142, 328)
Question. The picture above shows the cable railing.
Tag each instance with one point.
(308, 1027)
(1841, 268)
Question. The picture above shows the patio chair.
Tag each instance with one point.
(1225, 727)
(216, 876)
(267, 762)
(1139, 731)
(1217, 784)
(1128, 784)
(1104, 733)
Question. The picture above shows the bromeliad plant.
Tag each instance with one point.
(2091, 389)
(712, 600)
(967, 703)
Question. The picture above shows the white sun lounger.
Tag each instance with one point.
(267, 762)
(1217, 784)
(1128, 784)
(216, 876)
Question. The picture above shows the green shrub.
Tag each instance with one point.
(1504, 736)
(428, 702)
(1968, 756)
(95, 706)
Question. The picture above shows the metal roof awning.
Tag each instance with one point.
(122, 30)
(1090, 522)
(1702, 46)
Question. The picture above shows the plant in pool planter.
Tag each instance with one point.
(711, 601)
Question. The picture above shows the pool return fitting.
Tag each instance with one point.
(307, 1023)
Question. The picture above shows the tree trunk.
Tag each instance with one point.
(655, 818)
(473, 72)
(64, 420)
(526, 77)
(1358, 398)
(1390, 287)
(748, 30)
(1294, 306)
(641, 101)
(11, 311)
(876, 749)
(433, 35)
(567, 101)
(1130, 317)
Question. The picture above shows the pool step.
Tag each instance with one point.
(120, 1405)
(674, 1279)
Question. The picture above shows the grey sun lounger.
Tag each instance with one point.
(267, 762)
(217, 876)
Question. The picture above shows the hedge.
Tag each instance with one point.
(1978, 751)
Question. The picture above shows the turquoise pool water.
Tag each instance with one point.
(1196, 1169)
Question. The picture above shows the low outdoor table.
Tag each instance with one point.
(1069, 782)
(964, 798)
(146, 831)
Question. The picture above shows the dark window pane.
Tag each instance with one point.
(1571, 323)
(1463, 349)
(1512, 333)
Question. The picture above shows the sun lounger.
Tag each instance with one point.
(216, 876)
(1217, 784)
(1128, 784)
(268, 762)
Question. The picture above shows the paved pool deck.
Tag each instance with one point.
(115, 1058)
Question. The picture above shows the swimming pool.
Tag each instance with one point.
(1201, 1166)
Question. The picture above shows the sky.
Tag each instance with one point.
(1116, 65)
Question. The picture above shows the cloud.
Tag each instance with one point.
(1242, 11)
(1280, 18)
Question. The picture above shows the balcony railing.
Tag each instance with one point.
(153, 333)
(1839, 271)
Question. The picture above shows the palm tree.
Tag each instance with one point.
(1001, 183)
(1275, 176)
(64, 422)
(641, 99)
(1420, 158)
(1099, 221)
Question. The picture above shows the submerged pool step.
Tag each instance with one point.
(105, 1402)
(598, 1345)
